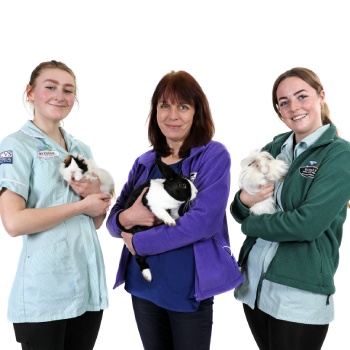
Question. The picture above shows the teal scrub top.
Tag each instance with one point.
(60, 271)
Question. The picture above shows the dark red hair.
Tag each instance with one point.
(181, 87)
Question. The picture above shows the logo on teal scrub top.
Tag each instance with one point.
(6, 157)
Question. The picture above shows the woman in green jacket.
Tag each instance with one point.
(289, 258)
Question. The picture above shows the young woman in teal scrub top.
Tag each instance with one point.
(59, 291)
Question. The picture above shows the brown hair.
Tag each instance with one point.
(50, 65)
(181, 87)
(310, 78)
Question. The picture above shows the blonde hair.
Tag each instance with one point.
(50, 65)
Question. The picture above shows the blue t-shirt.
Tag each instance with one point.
(172, 285)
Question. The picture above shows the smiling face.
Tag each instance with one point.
(53, 95)
(299, 106)
(175, 121)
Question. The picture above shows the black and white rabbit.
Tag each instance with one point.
(258, 169)
(163, 197)
(76, 166)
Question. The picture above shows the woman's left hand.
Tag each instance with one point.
(127, 238)
(265, 192)
(85, 187)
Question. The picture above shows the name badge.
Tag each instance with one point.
(46, 152)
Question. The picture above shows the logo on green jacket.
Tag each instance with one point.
(309, 170)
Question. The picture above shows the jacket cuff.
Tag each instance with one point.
(120, 226)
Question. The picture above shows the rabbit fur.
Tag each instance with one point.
(163, 197)
(258, 169)
(76, 166)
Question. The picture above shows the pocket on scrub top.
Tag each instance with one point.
(49, 274)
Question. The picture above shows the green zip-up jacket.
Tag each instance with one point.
(315, 194)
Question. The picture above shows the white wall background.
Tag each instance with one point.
(119, 50)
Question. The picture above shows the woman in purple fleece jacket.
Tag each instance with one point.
(192, 261)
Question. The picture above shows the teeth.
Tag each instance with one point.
(299, 117)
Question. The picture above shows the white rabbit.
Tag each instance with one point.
(258, 169)
(163, 197)
(76, 166)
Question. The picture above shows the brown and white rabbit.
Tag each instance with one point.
(164, 197)
(76, 166)
(258, 169)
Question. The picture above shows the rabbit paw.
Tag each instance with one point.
(146, 273)
(170, 222)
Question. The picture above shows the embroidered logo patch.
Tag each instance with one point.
(46, 152)
(309, 170)
(6, 157)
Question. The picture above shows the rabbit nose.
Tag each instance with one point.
(264, 169)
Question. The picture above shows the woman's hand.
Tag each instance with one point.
(96, 204)
(265, 192)
(85, 187)
(138, 214)
(127, 238)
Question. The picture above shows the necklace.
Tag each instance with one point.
(62, 140)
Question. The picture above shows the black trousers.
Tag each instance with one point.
(79, 333)
(161, 329)
(272, 334)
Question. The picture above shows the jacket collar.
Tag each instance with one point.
(148, 158)
(327, 137)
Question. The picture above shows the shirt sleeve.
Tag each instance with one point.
(112, 223)
(15, 166)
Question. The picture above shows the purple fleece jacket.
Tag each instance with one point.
(204, 225)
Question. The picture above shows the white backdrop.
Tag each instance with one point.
(119, 50)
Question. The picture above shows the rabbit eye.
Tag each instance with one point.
(182, 185)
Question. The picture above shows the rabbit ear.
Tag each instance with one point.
(165, 169)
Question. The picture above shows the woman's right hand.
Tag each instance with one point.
(138, 214)
(127, 238)
(265, 192)
(96, 204)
